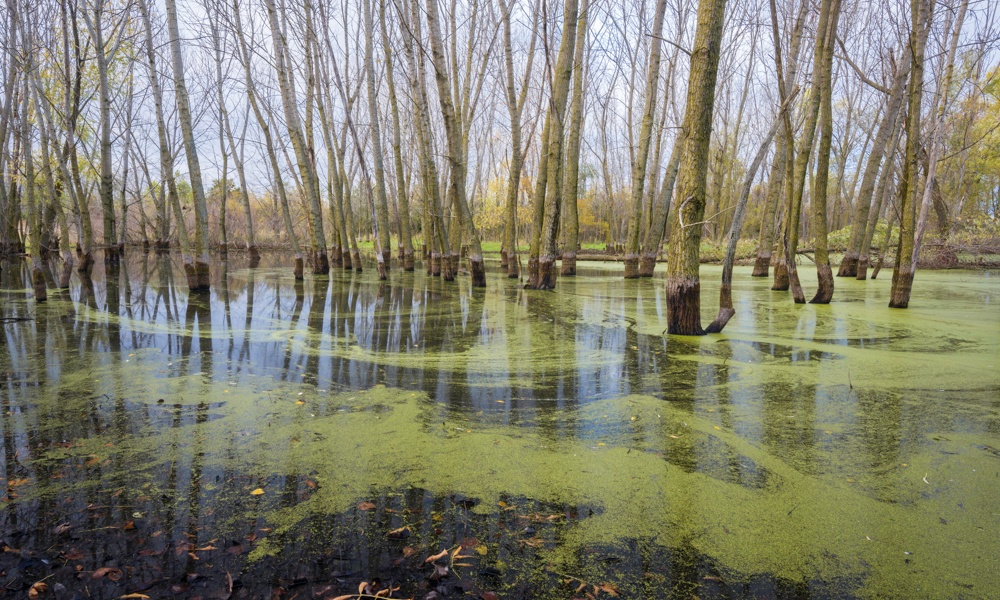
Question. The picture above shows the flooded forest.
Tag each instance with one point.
(499, 299)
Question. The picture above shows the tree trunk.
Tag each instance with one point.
(862, 206)
(456, 146)
(402, 194)
(902, 276)
(726, 310)
(272, 155)
(683, 286)
(571, 180)
(200, 279)
(823, 74)
(645, 136)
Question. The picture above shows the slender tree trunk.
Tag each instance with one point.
(824, 273)
(381, 204)
(645, 137)
(303, 156)
(571, 181)
(33, 213)
(661, 210)
(775, 184)
(862, 206)
(902, 276)
(96, 28)
(456, 150)
(683, 285)
(726, 310)
(402, 194)
(941, 102)
(201, 278)
(269, 145)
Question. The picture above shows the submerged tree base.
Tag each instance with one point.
(824, 290)
(780, 282)
(684, 306)
(568, 266)
(647, 264)
(478, 269)
(631, 266)
(902, 284)
(849, 265)
(761, 266)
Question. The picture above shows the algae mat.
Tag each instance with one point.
(275, 435)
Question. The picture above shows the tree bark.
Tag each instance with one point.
(683, 286)
(200, 279)
(645, 137)
(571, 180)
(902, 276)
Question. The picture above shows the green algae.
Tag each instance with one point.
(812, 444)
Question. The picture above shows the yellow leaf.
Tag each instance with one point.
(135, 596)
(257, 492)
(481, 549)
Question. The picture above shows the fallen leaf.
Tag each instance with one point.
(38, 589)
(437, 556)
(257, 492)
(409, 551)
(490, 596)
(399, 534)
(481, 550)
(366, 505)
(206, 548)
(607, 587)
(112, 573)
(134, 596)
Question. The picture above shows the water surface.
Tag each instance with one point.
(269, 435)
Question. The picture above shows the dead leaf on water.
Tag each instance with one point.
(112, 573)
(366, 505)
(257, 492)
(437, 556)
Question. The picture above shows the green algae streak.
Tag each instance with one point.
(849, 445)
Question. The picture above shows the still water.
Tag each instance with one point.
(293, 440)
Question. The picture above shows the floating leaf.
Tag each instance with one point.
(366, 505)
(437, 556)
(610, 589)
(134, 596)
(481, 549)
(38, 589)
(399, 534)
(112, 573)
(257, 492)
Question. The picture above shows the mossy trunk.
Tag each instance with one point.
(902, 276)
(683, 286)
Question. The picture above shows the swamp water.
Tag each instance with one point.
(279, 440)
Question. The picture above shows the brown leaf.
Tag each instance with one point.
(345, 597)
(146, 552)
(399, 534)
(207, 548)
(134, 596)
(409, 551)
(490, 596)
(235, 549)
(437, 556)
(38, 589)
(112, 573)
(607, 587)
(366, 505)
